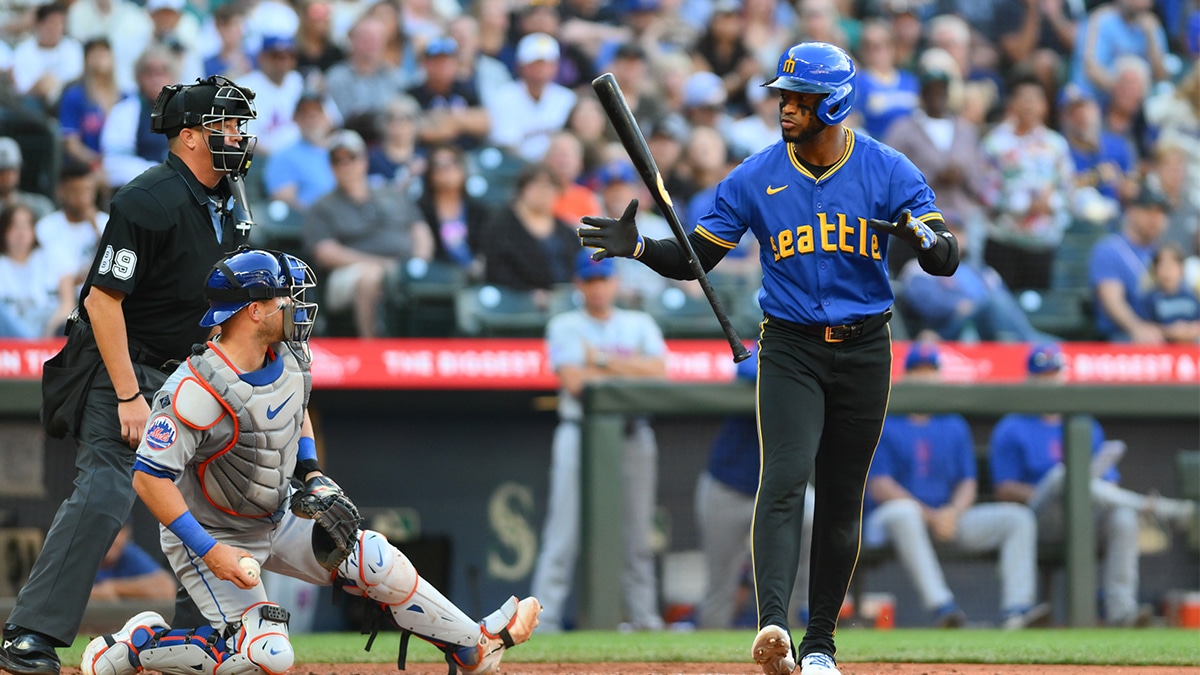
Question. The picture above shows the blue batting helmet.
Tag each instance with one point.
(818, 68)
(248, 275)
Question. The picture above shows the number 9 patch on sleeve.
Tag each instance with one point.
(121, 263)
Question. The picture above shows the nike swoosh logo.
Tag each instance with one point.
(772, 191)
(272, 412)
(380, 563)
(274, 651)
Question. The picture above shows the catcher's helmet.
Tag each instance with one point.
(247, 275)
(210, 103)
(818, 68)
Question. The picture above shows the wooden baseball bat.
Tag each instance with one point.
(617, 109)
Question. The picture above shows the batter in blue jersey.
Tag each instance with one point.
(821, 202)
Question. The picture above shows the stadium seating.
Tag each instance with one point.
(491, 311)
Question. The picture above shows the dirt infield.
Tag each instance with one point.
(736, 669)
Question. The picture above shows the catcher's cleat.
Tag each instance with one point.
(818, 664)
(24, 652)
(772, 651)
(506, 627)
(117, 654)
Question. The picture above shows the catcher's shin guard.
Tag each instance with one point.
(259, 646)
(117, 654)
(506, 627)
(382, 573)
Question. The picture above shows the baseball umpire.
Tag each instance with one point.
(138, 318)
(227, 432)
(818, 201)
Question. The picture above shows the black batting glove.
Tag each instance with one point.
(917, 234)
(615, 237)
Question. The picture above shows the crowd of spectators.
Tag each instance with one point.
(1062, 138)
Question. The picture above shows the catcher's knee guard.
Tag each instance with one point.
(382, 573)
(260, 646)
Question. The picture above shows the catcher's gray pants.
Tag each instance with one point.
(285, 549)
(53, 600)
(1009, 528)
(724, 516)
(554, 574)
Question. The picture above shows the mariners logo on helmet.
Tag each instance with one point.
(818, 68)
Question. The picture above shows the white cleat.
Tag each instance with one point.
(818, 664)
(116, 654)
(772, 651)
(506, 627)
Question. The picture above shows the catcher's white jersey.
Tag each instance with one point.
(229, 439)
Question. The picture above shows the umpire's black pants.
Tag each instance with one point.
(52, 602)
(820, 408)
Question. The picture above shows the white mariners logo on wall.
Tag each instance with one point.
(161, 433)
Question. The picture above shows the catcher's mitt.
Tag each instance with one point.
(323, 501)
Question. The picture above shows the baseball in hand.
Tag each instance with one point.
(251, 567)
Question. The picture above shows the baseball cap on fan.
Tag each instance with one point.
(278, 43)
(174, 5)
(348, 140)
(537, 47)
(10, 154)
(616, 171)
(587, 269)
(441, 46)
(703, 89)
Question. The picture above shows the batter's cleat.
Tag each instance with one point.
(772, 651)
(506, 627)
(818, 664)
(1038, 616)
(24, 652)
(117, 654)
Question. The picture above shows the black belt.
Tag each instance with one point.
(841, 333)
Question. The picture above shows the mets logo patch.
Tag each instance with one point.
(161, 433)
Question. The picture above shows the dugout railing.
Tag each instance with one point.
(606, 404)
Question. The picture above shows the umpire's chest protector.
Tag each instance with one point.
(251, 474)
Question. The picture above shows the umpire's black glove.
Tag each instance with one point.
(615, 237)
(917, 234)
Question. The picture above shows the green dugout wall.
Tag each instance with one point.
(606, 403)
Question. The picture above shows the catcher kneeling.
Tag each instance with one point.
(226, 433)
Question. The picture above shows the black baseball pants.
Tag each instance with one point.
(820, 412)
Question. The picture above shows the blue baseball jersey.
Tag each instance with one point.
(822, 264)
(928, 457)
(134, 562)
(1025, 447)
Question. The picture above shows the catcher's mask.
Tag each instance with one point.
(210, 103)
(248, 275)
